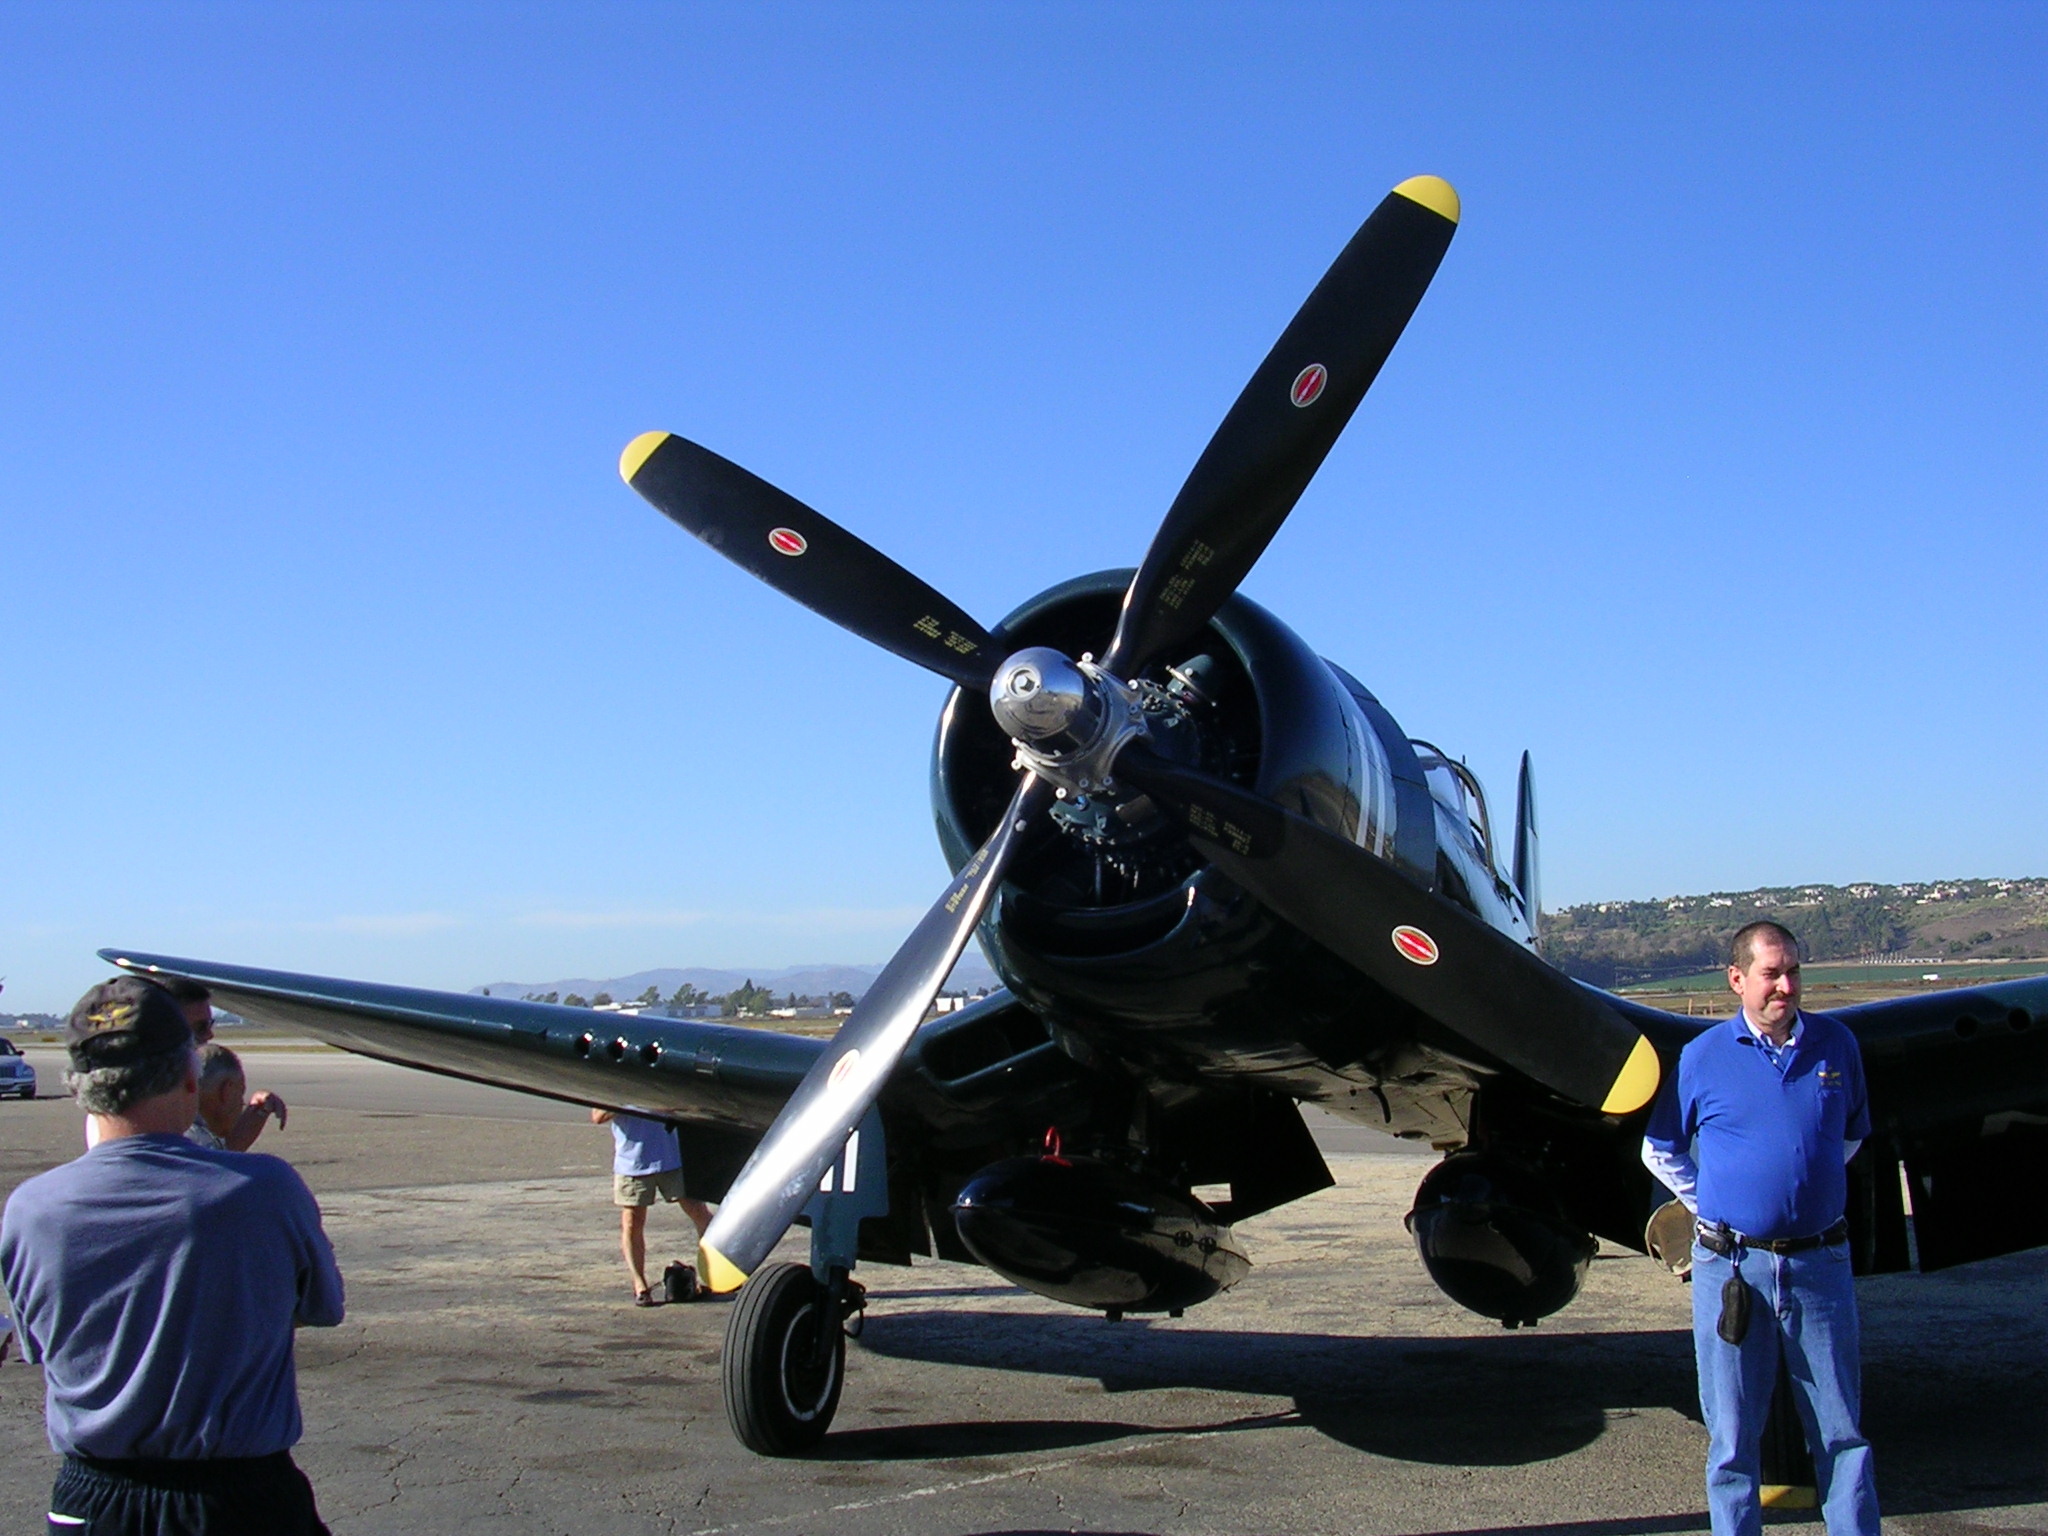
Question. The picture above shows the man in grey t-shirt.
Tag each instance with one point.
(158, 1283)
(223, 1095)
(257, 1108)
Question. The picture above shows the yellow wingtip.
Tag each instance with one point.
(638, 452)
(1434, 193)
(1788, 1496)
(1636, 1082)
(716, 1271)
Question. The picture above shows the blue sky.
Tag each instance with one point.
(1710, 470)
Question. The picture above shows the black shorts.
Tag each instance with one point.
(229, 1496)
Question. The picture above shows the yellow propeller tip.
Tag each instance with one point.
(1636, 1083)
(714, 1269)
(638, 452)
(1434, 193)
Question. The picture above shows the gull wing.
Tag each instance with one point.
(721, 1084)
(1958, 1094)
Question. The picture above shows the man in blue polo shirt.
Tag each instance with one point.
(1754, 1133)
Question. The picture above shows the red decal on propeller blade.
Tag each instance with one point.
(842, 1069)
(787, 541)
(1415, 945)
(1308, 384)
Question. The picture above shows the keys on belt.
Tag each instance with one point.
(1718, 1237)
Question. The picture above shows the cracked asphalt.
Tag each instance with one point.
(492, 1373)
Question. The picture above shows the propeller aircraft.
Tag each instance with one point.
(1218, 882)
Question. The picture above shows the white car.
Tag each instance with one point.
(16, 1075)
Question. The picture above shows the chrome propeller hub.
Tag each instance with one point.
(1067, 719)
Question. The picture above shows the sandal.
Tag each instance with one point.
(644, 1299)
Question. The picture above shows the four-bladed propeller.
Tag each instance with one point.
(1240, 491)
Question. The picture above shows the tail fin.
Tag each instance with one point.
(1526, 879)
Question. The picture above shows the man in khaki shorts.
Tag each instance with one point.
(647, 1165)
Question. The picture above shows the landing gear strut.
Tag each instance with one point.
(785, 1357)
(785, 1343)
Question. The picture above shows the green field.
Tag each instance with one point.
(1954, 973)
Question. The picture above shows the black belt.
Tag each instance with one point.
(1723, 1239)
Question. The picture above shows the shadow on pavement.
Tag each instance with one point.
(1010, 1437)
(1954, 1428)
(1454, 1402)
(1647, 1525)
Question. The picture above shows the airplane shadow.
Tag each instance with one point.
(1636, 1525)
(1451, 1402)
(1639, 1525)
(1955, 1428)
(1005, 1437)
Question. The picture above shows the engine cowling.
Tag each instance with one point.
(1093, 1235)
(1494, 1239)
(1263, 711)
(1110, 926)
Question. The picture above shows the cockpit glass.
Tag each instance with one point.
(1444, 784)
(1454, 787)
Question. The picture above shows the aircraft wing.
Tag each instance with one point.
(972, 1083)
(693, 1070)
(721, 1084)
(1958, 1095)
(1957, 1158)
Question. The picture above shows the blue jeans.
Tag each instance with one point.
(1805, 1305)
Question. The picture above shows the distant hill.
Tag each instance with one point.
(1610, 942)
(970, 975)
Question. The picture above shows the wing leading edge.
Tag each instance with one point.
(721, 1084)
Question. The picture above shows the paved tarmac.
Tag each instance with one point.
(492, 1373)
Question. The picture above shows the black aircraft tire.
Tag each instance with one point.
(777, 1402)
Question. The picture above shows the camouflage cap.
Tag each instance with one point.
(122, 1021)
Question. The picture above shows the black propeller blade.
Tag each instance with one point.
(1421, 948)
(811, 1131)
(1277, 434)
(806, 555)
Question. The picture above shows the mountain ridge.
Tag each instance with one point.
(1603, 942)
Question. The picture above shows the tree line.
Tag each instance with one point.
(743, 1001)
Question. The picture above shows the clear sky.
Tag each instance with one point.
(1711, 468)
